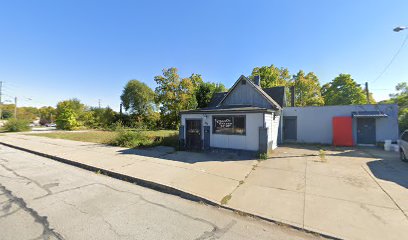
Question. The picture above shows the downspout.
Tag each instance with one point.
(263, 117)
(281, 126)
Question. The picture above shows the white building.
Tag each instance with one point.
(250, 118)
(244, 118)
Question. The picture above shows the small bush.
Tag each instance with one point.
(131, 139)
(226, 199)
(262, 156)
(322, 155)
(17, 125)
(170, 141)
(117, 126)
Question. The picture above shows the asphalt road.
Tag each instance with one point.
(44, 199)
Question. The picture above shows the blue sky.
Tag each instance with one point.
(55, 50)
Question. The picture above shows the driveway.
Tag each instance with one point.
(349, 193)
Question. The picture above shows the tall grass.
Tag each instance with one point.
(16, 125)
(134, 139)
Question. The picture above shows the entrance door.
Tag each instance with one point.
(193, 134)
(366, 131)
(290, 129)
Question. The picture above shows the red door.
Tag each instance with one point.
(342, 131)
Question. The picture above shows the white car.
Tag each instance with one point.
(403, 145)
(50, 125)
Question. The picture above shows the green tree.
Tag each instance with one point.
(99, 117)
(69, 114)
(343, 90)
(307, 89)
(27, 113)
(174, 94)
(137, 98)
(6, 114)
(271, 76)
(47, 115)
(205, 92)
(401, 99)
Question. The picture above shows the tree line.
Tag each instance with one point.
(159, 108)
(342, 90)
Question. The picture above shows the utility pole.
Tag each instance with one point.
(367, 93)
(99, 103)
(15, 107)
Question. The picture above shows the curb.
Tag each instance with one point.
(164, 189)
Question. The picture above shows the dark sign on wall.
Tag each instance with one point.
(223, 122)
(229, 125)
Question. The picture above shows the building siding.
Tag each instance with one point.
(246, 95)
(273, 129)
(314, 124)
(249, 141)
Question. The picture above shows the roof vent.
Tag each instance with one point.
(243, 82)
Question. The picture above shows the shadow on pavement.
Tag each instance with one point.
(169, 153)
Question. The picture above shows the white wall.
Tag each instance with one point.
(314, 124)
(249, 141)
(273, 128)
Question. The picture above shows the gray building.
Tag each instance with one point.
(246, 118)
(251, 118)
(370, 123)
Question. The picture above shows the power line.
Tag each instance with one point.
(392, 59)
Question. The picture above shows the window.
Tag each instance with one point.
(229, 125)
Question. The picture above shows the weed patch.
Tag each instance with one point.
(322, 155)
(16, 125)
(262, 156)
(225, 199)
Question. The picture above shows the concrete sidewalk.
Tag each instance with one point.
(351, 194)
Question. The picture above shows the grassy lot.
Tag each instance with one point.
(88, 136)
(167, 137)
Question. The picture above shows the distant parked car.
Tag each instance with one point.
(403, 144)
(50, 125)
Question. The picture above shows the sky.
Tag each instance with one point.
(56, 50)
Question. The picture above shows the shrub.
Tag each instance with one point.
(131, 139)
(262, 156)
(170, 141)
(117, 126)
(68, 113)
(322, 155)
(17, 125)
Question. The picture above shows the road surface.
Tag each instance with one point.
(44, 199)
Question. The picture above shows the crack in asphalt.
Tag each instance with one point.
(215, 233)
(111, 228)
(10, 213)
(45, 187)
(42, 220)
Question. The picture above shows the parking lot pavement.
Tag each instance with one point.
(45, 199)
(350, 193)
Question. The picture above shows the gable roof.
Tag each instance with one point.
(257, 88)
(278, 94)
(216, 99)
